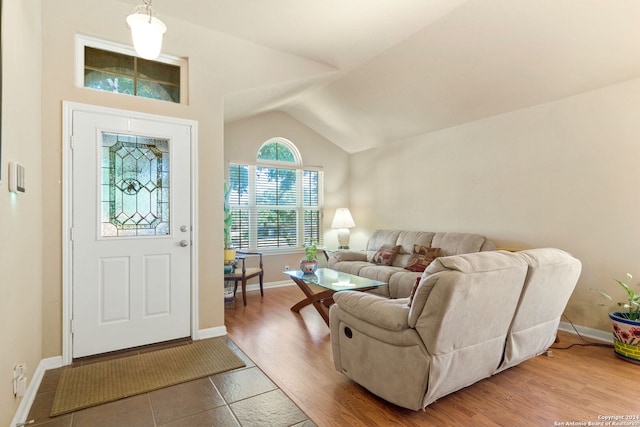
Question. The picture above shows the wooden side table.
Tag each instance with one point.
(245, 273)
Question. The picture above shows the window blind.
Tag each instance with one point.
(275, 207)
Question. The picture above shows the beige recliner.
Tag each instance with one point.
(453, 332)
(551, 277)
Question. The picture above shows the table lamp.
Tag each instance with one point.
(343, 221)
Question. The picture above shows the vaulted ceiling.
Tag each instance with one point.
(399, 68)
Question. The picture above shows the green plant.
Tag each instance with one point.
(228, 218)
(310, 250)
(633, 301)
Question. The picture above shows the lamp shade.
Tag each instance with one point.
(146, 33)
(343, 219)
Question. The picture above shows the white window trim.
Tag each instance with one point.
(277, 164)
(82, 40)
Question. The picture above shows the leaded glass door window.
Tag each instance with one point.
(135, 186)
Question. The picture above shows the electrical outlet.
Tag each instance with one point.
(286, 268)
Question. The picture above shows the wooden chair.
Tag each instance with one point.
(245, 273)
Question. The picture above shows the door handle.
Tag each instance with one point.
(184, 243)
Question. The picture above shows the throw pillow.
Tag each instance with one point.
(413, 291)
(421, 258)
(423, 250)
(385, 255)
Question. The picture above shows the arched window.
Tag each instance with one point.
(275, 202)
(281, 150)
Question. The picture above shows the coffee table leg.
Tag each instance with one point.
(321, 301)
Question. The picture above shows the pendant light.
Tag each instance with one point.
(146, 31)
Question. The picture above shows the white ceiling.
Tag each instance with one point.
(407, 67)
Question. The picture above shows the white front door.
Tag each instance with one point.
(131, 231)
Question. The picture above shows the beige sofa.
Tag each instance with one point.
(400, 280)
(471, 317)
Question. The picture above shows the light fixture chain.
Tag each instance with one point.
(147, 5)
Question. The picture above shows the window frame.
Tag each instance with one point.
(82, 41)
(252, 207)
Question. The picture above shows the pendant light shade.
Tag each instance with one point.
(146, 31)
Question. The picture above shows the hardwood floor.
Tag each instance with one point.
(577, 385)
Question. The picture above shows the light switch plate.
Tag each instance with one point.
(16, 178)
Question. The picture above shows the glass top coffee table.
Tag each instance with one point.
(333, 281)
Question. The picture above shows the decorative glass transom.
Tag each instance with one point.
(130, 75)
(135, 185)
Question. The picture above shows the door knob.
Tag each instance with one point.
(184, 243)
(184, 228)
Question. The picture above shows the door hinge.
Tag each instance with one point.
(71, 139)
(71, 325)
(71, 234)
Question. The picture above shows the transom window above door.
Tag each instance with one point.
(276, 202)
(113, 68)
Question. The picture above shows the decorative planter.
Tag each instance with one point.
(626, 337)
(229, 256)
(229, 295)
(308, 267)
(228, 268)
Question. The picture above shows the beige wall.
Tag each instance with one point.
(242, 140)
(20, 216)
(564, 174)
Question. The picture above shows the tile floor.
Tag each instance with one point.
(242, 397)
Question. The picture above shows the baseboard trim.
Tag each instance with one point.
(30, 394)
(204, 334)
(594, 334)
(256, 287)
